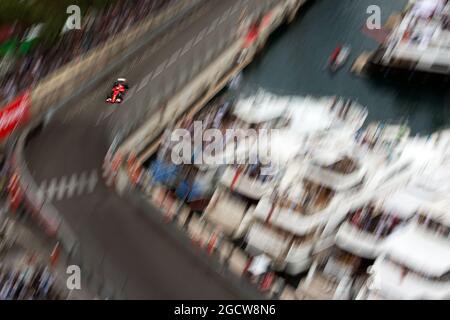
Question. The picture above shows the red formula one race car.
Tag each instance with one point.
(118, 91)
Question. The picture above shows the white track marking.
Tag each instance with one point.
(65, 187)
(81, 183)
(144, 81)
(61, 189)
(72, 185)
(41, 194)
(51, 190)
(223, 18)
(92, 182)
(159, 70)
(211, 29)
(187, 47)
(200, 36)
(173, 58)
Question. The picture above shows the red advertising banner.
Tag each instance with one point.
(14, 114)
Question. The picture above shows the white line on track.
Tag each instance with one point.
(211, 29)
(200, 36)
(103, 116)
(187, 47)
(173, 58)
(144, 81)
(160, 69)
(223, 18)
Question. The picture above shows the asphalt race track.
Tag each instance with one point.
(133, 251)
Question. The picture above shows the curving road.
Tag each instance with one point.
(134, 251)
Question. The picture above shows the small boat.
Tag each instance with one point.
(338, 57)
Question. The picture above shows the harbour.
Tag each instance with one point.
(318, 224)
(294, 59)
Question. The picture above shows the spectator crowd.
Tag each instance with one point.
(97, 27)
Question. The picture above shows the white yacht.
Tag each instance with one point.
(289, 222)
(411, 263)
(332, 276)
(365, 229)
(341, 258)
(295, 123)
(322, 194)
(300, 123)
(415, 263)
(422, 39)
(338, 271)
(337, 176)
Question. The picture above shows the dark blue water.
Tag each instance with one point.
(294, 61)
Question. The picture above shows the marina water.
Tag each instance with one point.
(294, 63)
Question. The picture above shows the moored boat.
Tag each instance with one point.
(338, 57)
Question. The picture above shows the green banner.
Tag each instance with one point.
(26, 46)
(8, 47)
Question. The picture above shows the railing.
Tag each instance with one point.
(248, 186)
(358, 241)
